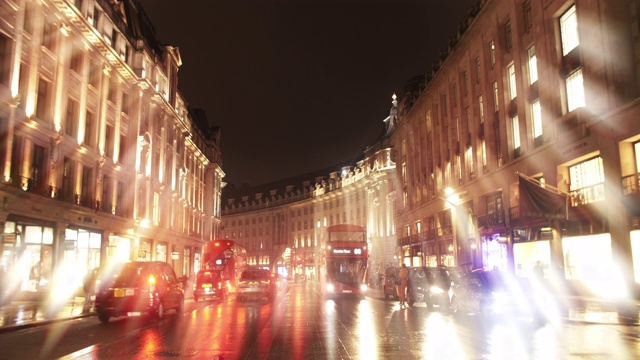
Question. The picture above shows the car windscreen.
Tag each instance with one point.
(123, 275)
(254, 275)
(207, 277)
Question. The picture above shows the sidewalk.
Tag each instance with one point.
(18, 315)
(583, 309)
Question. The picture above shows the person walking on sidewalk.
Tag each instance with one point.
(89, 286)
(403, 278)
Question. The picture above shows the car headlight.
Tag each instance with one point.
(330, 288)
(363, 287)
(436, 290)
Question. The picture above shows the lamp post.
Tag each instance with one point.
(461, 232)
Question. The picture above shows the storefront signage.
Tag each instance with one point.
(142, 253)
(9, 238)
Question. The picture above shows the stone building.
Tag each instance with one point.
(542, 93)
(102, 160)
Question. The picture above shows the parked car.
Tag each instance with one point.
(431, 285)
(209, 284)
(256, 284)
(138, 287)
(389, 282)
(495, 294)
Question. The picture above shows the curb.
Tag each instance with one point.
(13, 328)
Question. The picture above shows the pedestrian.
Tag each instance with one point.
(538, 270)
(403, 278)
(89, 287)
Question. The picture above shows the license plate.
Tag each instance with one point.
(347, 291)
(122, 292)
(206, 286)
(136, 313)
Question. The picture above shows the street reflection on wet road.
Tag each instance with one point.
(305, 324)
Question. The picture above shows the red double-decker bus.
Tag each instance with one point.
(227, 256)
(346, 260)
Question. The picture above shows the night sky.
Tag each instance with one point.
(299, 85)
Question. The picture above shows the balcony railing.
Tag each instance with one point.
(587, 195)
(31, 186)
(489, 220)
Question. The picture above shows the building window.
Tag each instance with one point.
(85, 191)
(587, 182)
(512, 82)
(454, 94)
(94, 74)
(75, 63)
(481, 107)
(575, 90)
(478, 69)
(528, 16)
(532, 64)
(109, 141)
(569, 30)
(536, 118)
(43, 109)
(156, 208)
(71, 122)
(125, 103)
(37, 166)
(507, 34)
(469, 160)
(89, 130)
(495, 96)
(492, 53)
(516, 132)
(465, 76)
(49, 36)
(113, 87)
(484, 153)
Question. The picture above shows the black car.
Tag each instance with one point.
(138, 287)
(496, 294)
(389, 282)
(431, 285)
(256, 284)
(209, 284)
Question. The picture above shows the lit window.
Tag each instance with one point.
(478, 70)
(575, 90)
(536, 117)
(469, 159)
(484, 153)
(533, 65)
(569, 30)
(481, 105)
(587, 182)
(516, 132)
(495, 96)
(512, 82)
(492, 53)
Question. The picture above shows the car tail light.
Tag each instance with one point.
(152, 283)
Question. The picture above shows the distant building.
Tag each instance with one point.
(101, 160)
(283, 226)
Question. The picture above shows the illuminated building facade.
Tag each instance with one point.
(283, 226)
(101, 159)
(548, 89)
